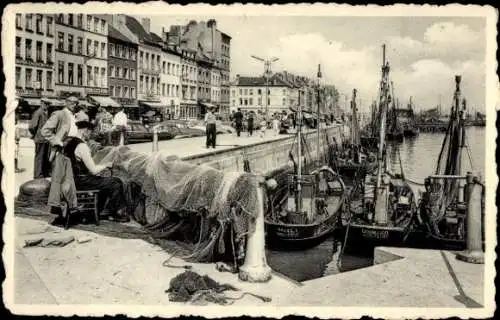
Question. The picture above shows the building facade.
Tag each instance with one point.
(215, 86)
(81, 55)
(249, 93)
(225, 68)
(122, 68)
(189, 85)
(170, 80)
(35, 57)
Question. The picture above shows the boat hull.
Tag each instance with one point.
(366, 236)
(293, 236)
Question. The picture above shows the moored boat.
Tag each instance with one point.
(307, 208)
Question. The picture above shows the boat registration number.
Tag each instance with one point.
(375, 234)
(287, 232)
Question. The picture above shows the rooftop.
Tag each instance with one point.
(115, 34)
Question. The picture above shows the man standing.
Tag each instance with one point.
(238, 119)
(250, 123)
(59, 126)
(42, 147)
(210, 121)
(120, 122)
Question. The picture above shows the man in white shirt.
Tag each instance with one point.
(120, 121)
(211, 131)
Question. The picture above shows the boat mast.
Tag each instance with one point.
(384, 103)
(354, 124)
(318, 152)
(299, 155)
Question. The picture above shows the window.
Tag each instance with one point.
(89, 23)
(70, 43)
(28, 80)
(146, 87)
(70, 19)
(112, 91)
(141, 56)
(18, 76)
(70, 73)
(29, 22)
(245, 91)
(119, 91)
(103, 26)
(168, 68)
(259, 91)
(251, 91)
(39, 75)
(39, 19)
(103, 50)
(284, 92)
(117, 74)
(125, 73)
(163, 89)
(268, 101)
(158, 62)
(28, 49)
(103, 77)
(39, 45)
(132, 93)
(89, 75)
(132, 74)
(96, 76)
(111, 49)
(259, 101)
(164, 67)
(48, 84)
(19, 22)
(89, 47)
(60, 18)
(60, 41)
(125, 92)
(241, 92)
(49, 32)
(147, 60)
(96, 48)
(111, 71)
(79, 76)
(245, 102)
(122, 51)
(250, 101)
(18, 47)
(79, 45)
(80, 21)
(284, 101)
(233, 92)
(96, 24)
(141, 84)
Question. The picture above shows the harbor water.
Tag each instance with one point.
(418, 160)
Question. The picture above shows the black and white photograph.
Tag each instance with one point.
(323, 160)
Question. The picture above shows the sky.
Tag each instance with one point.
(425, 53)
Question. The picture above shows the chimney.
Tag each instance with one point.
(146, 24)
(212, 23)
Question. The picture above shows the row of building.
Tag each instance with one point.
(112, 60)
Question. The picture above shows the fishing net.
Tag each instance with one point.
(210, 211)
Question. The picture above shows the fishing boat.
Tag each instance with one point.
(395, 130)
(305, 209)
(443, 210)
(409, 126)
(382, 207)
(354, 159)
(369, 138)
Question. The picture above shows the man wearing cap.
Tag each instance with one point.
(42, 147)
(86, 172)
(60, 125)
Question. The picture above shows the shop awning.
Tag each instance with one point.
(105, 101)
(153, 104)
(85, 103)
(130, 106)
(32, 101)
(208, 105)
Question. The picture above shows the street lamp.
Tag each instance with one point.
(267, 73)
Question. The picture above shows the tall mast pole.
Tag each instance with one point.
(318, 152)
(299, 155)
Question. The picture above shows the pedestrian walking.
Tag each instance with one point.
(41, 167)
(211, 131)
(250, 123)
(103, 124)
(17, 137)
(59, 126)
(238, 118)
(276, 125)
(263, 127)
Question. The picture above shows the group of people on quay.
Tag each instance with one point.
(62, 145)
(250, 121)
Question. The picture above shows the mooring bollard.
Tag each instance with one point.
(474, 252)
(255, 268)
(122, 139)
(155, 140)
